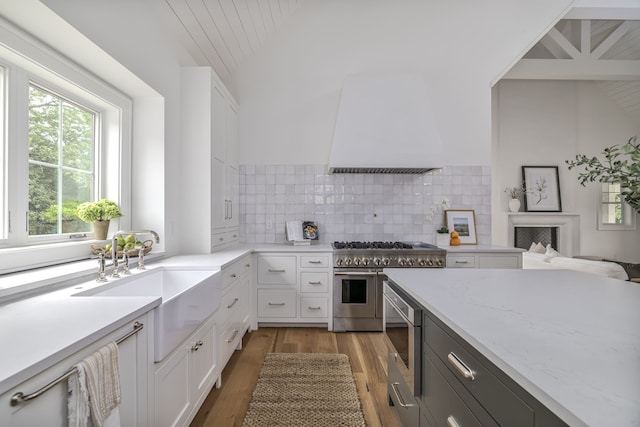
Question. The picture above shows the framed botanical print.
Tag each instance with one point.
(542, 185)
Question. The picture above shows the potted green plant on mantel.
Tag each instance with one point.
(100, 213)
(621, 164)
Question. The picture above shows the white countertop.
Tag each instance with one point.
(571, 339)
(41, 330)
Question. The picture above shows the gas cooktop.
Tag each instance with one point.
(382, 245)
(387, 254)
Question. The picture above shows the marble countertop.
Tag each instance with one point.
(571, 339)
(41, 330)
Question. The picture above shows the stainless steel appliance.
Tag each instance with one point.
(402, 326)
(357, 282)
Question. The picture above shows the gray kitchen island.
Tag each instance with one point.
(546, 346)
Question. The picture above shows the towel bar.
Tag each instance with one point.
(20, 397)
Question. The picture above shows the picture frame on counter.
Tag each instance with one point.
(543, 189)
(464, 223)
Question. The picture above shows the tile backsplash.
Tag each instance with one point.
(358, 207)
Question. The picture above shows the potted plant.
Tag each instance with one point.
(100, 214)
(621, 164)
(514, 194)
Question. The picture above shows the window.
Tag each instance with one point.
(614, 213)
(64, 139)
(61, 163)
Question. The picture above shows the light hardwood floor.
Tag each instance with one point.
(367, 351)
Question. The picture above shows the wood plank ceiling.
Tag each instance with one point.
(222, 33)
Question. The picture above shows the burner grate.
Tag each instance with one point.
(371, 245)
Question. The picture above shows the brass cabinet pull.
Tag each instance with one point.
(461, 367)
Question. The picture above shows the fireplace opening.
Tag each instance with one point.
(524, 236)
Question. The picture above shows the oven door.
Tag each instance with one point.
(354, 294)
(404, 334)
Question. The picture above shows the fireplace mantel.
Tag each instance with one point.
(568, 228)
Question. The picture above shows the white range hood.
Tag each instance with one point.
(385, 125)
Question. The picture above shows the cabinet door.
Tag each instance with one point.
(172, 389)
(219, 125)
(232, 137)
(203, 361)
(219, 204)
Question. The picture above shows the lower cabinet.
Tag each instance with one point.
(183, 380)
(459, 257)
(293, 288)
(50, 408)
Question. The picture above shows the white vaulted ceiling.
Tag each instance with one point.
(222, 33)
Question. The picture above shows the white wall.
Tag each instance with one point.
(544, 123)
(289, 91)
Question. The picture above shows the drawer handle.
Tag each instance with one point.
(401, 401)
(221, 239)
(315, 262)
(197, 345)
(235, 300)
(460, 366)
(247, 265)
(274, 270)
(451, 422)
(276, 303)
(233, 337)
(314, 308)
(315, 283)
(462, 262)
(234, 275)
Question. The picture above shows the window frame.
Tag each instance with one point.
(628, 214)
(28, 61)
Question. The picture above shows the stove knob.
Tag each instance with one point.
(386, 261)
(401, 262)
(347, 261)
(377, 261)
(410, 261)
(339, 262)
(366, 261)
(356, 261)
(430, 262)
(439, 262)
(422, 262)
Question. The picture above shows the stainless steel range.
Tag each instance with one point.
(357, 282)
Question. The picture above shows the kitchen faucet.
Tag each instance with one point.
(114, 250)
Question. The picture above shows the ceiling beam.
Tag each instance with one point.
(575, 69)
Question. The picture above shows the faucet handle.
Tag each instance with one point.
(101, 267)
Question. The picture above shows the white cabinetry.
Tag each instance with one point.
(184, 378)
(233, 315)
(293, 288)
(50, 408)
(210, 189)
(483, 257)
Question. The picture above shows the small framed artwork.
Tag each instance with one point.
(464, 222)
(543, 189)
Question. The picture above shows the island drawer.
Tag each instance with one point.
(506, 407)
(460, 261)
(444, 404)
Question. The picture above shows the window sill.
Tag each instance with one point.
(28, 283)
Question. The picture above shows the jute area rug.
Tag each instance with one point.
(305, 389)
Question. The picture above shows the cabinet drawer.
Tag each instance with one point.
(277, 270)
(276, 303)
(314, 282)
(445, 405)
(500, 401)
(230, 305)
(307, 261)
(313, 307)
(461, 262)
(399, 393)
(498, 261)
(218, 239)
(230, 274)
(232, 236)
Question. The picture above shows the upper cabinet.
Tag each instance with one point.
(210, 179)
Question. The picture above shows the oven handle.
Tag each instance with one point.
(355, 273)
(401, 401)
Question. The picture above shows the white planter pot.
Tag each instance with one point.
(442, 239)
(514, 205)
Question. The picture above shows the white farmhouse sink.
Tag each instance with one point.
(188, 295)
